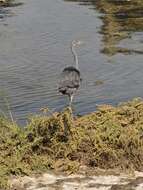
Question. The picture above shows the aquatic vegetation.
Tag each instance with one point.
(9, 3)
(120, 19)
(109, 138)
(4, 2)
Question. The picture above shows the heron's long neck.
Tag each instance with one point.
(75, 56)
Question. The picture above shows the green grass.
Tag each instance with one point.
(111, 137)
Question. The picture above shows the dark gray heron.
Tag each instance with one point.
(70, 76)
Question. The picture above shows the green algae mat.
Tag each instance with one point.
(110, 138)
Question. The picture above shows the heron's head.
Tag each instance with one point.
(76, 43)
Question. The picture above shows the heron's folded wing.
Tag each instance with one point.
(70, 79)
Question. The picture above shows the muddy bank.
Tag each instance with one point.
(110, 138)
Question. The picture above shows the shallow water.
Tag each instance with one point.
(35, 39)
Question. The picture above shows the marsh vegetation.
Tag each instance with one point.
(110, 138)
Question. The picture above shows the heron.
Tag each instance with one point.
(70, 77)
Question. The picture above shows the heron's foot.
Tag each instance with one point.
(69, 110)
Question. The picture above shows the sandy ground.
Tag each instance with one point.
(50, 181)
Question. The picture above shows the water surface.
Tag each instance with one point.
(35, 39)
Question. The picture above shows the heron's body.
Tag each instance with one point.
(70, 78)
(70, 81)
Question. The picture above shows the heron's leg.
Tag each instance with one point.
(70, 100)
(70, 105)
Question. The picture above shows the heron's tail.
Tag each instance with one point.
(62, 90)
